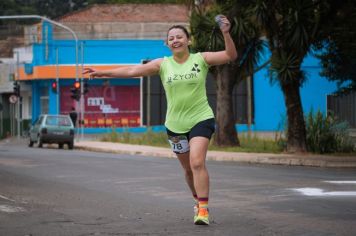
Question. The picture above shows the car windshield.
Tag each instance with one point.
(58, 121)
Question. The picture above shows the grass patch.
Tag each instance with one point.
(159, 139)
(252, 144)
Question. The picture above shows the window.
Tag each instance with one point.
(58, 121)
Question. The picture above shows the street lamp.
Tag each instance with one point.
(62, 26)
(54, 23)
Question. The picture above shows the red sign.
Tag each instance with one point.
(106, 106)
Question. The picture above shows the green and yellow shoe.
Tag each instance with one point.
(203, 217)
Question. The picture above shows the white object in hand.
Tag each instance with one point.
(218, 19)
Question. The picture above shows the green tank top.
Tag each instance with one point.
(184, 84)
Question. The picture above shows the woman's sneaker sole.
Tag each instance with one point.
(201, 220)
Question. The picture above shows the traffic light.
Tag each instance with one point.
(85, 87)
(76, 91)
(17, 89)
(54, 87)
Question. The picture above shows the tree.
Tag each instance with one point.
(292, 28)
(56, 8)
(207, 37)
(338, 51)
(142, 1)
(13, 7)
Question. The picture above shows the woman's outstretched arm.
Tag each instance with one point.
(150, 68)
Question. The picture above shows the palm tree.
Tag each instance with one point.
(292, 27)
(207, 37)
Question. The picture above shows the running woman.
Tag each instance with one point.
(189, 119)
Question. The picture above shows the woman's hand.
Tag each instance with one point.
(224, 24)
(92, 72)
(230, 52)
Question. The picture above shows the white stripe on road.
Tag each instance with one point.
(317, 192)
(11, 209)
(6, 198)
(341, 182)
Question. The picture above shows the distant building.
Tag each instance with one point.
(118, 21)
(109, 36)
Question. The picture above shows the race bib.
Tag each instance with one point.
(179, 144)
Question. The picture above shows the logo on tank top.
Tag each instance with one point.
(193, 74)
(196, 68)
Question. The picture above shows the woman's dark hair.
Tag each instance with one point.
(179, 27)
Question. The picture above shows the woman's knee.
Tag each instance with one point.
(197, 164)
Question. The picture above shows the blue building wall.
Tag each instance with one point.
(89, 52)
(270, 110)
(98, 51)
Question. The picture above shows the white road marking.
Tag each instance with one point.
(11, 209)
(341, 182)
(317, 192)
(6, 198)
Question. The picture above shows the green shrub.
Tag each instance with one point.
(325, 134)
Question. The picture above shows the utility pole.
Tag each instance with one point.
(18, 121)
(249, 105)
(82, 98)
(57, 80)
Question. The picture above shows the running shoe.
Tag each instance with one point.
(203, 217)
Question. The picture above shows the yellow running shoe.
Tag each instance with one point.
(203, 217)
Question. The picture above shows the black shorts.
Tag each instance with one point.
(180, 142)
(204, 128)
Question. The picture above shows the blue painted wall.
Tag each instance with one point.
(99, 51)
(270, 111)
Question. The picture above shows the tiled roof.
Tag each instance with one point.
(129, 13)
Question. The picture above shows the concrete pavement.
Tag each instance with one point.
(255, 158)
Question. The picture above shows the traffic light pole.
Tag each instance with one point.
(18, 100)
(57, 80)
(82, 98)
(82, 106)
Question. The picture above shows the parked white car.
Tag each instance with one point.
(52, 129)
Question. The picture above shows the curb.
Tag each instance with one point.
(310, 160)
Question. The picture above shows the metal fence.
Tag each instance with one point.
(155, 104)
(343, 107)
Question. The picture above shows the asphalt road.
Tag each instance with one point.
(53, 192)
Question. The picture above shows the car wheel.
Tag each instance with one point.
(60, 145)
(40, 143)
(71, 145)
(30, 143)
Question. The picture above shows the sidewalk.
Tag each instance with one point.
(255, 158)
